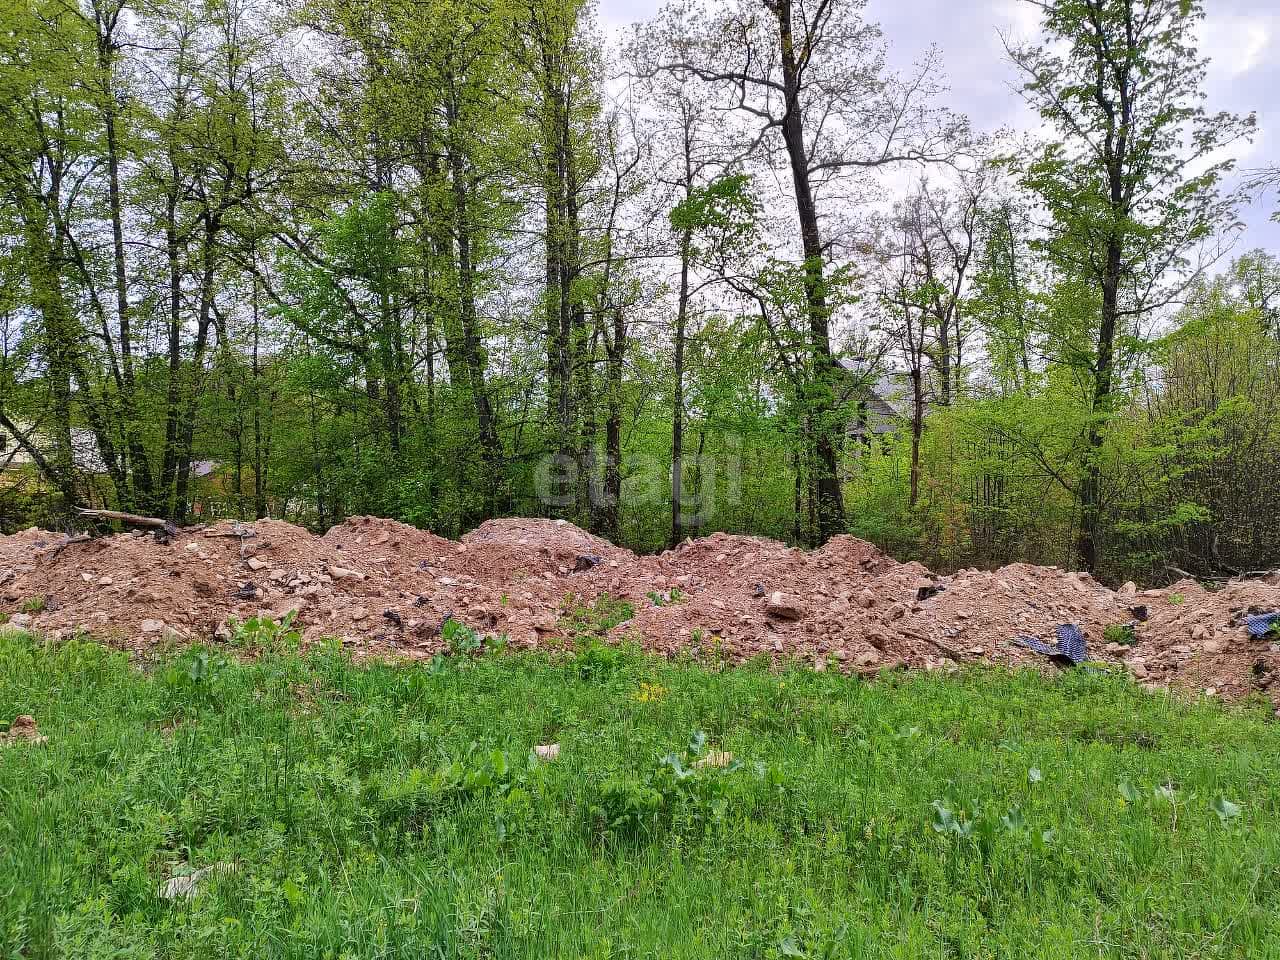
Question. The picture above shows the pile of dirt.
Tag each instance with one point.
(385, 587)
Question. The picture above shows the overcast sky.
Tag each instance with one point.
(1242, 38)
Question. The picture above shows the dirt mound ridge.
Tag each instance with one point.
(383, 586)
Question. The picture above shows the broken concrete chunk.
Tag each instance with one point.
(783, 607)
(344, 573)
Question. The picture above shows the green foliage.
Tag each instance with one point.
(594, 619)
(264, 633)
(465, 641)
(1121, 633)
(662, 598)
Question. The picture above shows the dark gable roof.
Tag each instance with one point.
(887, 398)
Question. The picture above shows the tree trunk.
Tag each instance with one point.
(173, 389)
(677, 399)
(473, 350)
(259, 451)
(192, 383)
(820, 402)
(917, 428)
(59, 346)
(611, 509)
(138, 492)
(1091, 485)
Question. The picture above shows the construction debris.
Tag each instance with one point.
(23, 730)
(385, 588)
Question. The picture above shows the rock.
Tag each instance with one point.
(152, 626)
(344, 573)
(897, 611)
(1138, 668)
(358, 613)
(547, 751)
(868, 658)
(1200, 632)
(925, 588)
(1214, 644)
(185, 888)
(782, 607)
(447, 582)
(1130, 589)
(254, 563)
(23, 730)
(105, 581)
(867, 598)
(20, 620)
(288, 606)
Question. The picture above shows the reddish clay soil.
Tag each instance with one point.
(385, 588)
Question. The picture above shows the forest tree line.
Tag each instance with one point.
(445, 260)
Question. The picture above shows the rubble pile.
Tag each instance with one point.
(384, 587)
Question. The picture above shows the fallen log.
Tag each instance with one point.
(133, 519)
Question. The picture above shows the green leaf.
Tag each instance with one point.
(790, 948)
(1129, 792)
(1034, 775)
(1013, 821)
(944, 821)
(697, 743)
(1225, 809)
(292, 892)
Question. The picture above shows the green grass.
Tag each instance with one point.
(393, 811)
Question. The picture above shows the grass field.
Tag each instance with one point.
(395, 811)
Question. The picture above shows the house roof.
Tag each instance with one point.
(889, 392)
(84, 453)
(84, 450)
(885, 396)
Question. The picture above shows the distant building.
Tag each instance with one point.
(84, 451)
(881, 402)
(211, 480)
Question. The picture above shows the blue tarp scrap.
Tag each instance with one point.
(1259, 623)
(1070, 646)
